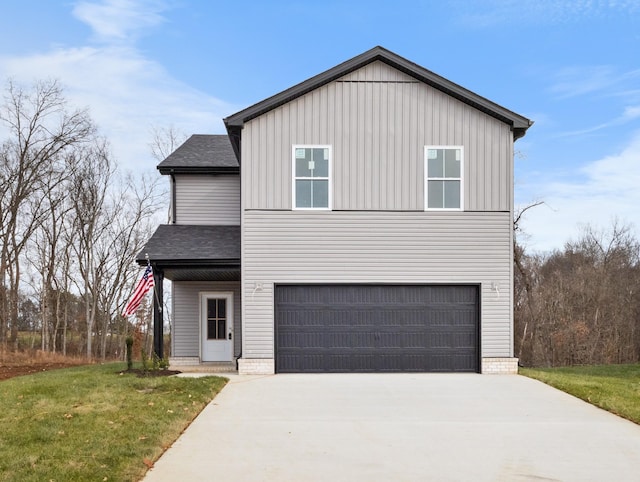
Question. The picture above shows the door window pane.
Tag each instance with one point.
(212, 329)
(222, 330)
(211, 308)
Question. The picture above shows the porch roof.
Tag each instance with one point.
(194, 252)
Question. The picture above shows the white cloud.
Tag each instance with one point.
(574, 81)
(599, 82)
(609, 192)
(580, 80)
(119, 20)
(629, 114)
(125, 92)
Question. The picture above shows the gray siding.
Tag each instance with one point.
(207, 199)
(378, 121)
(376, 247)
(185, 330)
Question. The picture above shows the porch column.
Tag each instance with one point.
(158, 320)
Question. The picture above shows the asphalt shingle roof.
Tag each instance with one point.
(178, 244)
(202, 153)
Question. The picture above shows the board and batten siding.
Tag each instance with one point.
(185, 330)
(378, 121)
(207, 199)
(376, 247)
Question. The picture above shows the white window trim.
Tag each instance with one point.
(426, 178)
(294, 178)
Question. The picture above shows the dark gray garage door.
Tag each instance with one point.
(376, 328)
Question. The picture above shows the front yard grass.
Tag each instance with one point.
(91, 423)
(615, 388)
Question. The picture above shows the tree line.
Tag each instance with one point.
(579, 305)
(70, 226)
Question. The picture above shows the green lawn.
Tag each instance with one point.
(615, 388)
(91, 423)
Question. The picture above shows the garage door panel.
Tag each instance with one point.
(370, 328)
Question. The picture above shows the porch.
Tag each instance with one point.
(203, 264)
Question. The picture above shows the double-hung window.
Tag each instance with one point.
(444, 166)
(312, 177)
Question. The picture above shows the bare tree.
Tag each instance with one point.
(69, 227)
(41, 132)
(88, 194)
(135, 202)
(583, 302)
(165, 140)
(523, 292)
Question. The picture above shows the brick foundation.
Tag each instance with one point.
(500, 366)
(256, 366)
(181, 361)
(194, 365)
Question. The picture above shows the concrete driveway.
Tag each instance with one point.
(400, 427)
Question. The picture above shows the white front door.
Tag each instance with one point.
(216, 322)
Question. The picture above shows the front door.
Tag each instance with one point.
(216, 315)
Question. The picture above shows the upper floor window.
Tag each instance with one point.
(311, 177)
(443, 179)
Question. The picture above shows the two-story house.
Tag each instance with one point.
(359, 221)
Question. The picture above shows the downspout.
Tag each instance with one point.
(173, 198)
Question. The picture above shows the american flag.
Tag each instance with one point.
(144, 285)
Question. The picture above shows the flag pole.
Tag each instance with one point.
(155, 293)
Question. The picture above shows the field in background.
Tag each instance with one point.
(13, 364)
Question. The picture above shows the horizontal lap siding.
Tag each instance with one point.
(205, 199)
(185, 329)
(376, 247)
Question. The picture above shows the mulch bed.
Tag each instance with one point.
(10, 371)
(16, 370)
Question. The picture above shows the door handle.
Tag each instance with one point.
(229, 335)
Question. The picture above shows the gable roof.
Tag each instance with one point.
(202, 154)
(235, 122)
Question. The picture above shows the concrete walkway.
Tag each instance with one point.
(404, 427)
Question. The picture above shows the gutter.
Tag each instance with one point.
(173, 197)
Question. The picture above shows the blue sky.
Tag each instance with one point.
(573, 67)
